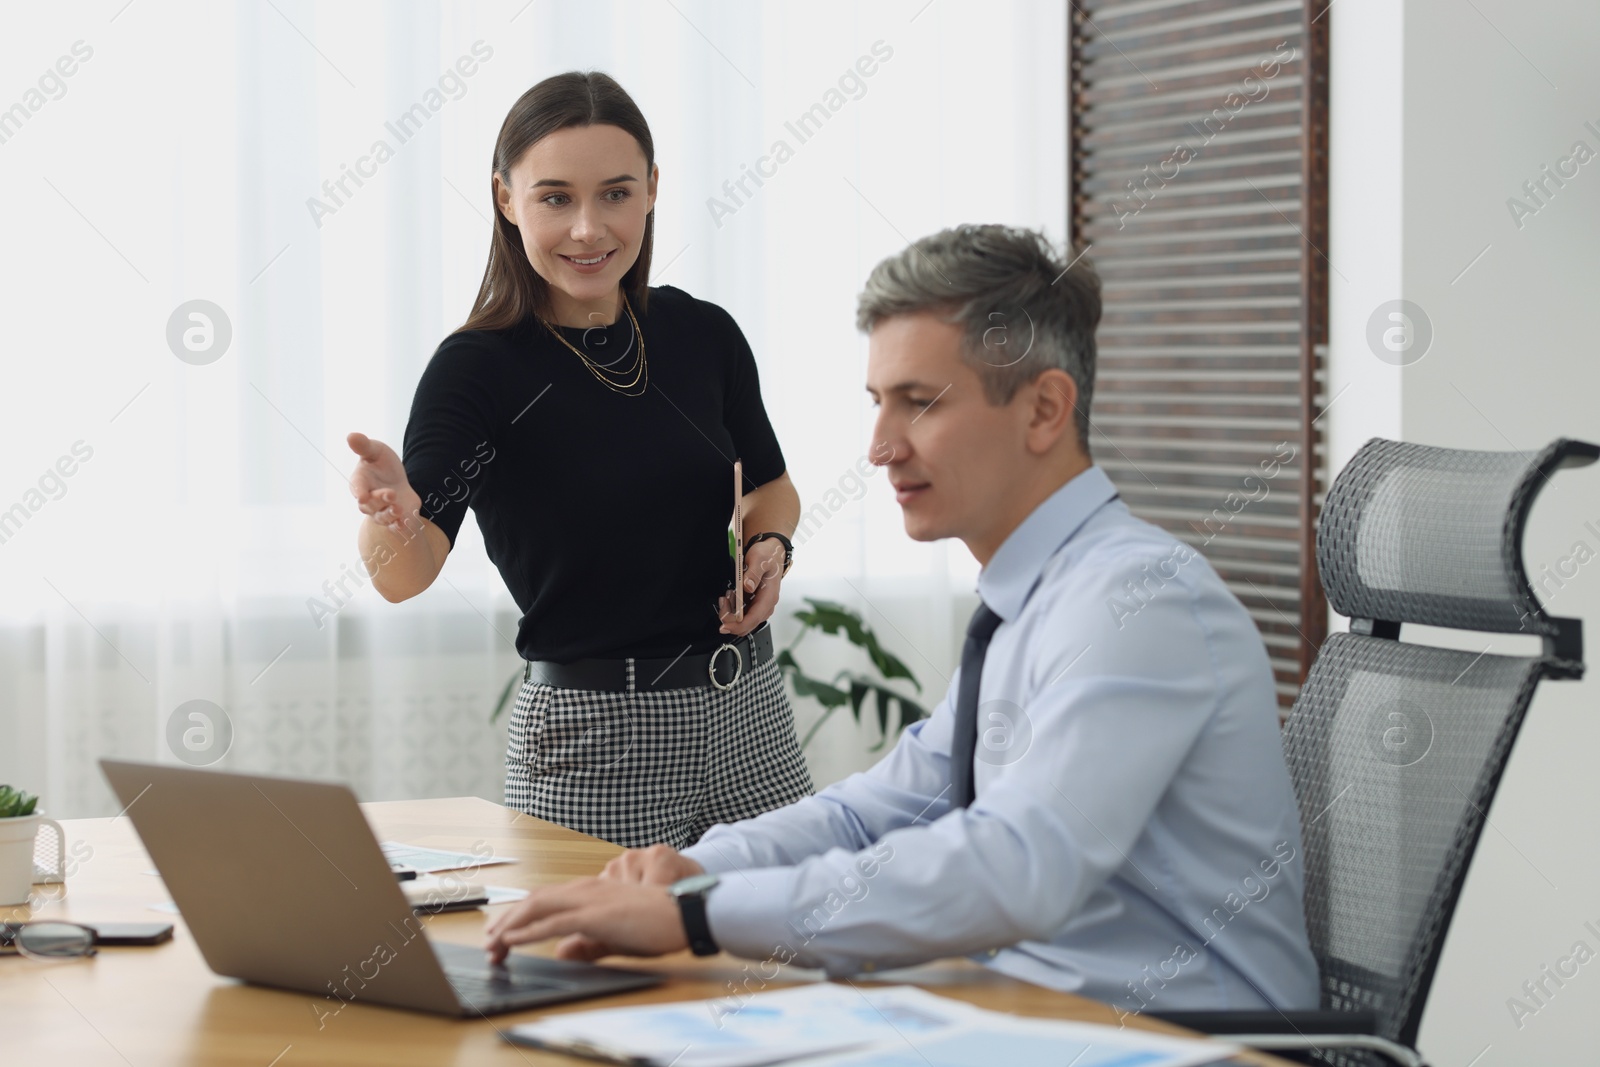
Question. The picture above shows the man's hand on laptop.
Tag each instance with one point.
(595, 917)
(656, 865)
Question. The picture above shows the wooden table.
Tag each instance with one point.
(162, 1005)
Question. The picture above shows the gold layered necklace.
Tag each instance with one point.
(637, 375)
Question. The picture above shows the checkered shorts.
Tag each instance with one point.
(642, 767)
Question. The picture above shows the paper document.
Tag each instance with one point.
(428, 860)
(1018, 1042)
(504, 894)
(737, 1031)
(432, 891)
(833, 1025)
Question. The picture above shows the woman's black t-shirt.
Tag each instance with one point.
(606, 514)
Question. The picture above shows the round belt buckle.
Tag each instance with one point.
(711, 667)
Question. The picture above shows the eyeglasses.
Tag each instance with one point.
(47, 940)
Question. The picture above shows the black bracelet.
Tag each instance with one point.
(788, 547)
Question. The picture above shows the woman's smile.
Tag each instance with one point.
(591, 264)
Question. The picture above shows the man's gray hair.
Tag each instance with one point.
(1022, 309)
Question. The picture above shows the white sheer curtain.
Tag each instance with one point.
(202, 546)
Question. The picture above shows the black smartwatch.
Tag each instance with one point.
(788, 548)
(691, 893)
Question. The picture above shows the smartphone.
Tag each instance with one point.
(130, 933)
(738, 540)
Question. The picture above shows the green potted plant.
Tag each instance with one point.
(14, 804)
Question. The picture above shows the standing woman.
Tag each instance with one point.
(592, 423)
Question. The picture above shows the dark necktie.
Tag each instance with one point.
(964, 743)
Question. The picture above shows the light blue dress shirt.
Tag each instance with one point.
(1135, 837)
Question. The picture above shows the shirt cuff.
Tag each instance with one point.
(715, 857)
(747, 912)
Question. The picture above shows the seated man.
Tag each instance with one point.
(1100, 803)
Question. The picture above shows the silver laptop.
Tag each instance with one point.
(282, 883)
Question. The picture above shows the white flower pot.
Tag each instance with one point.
(16, 856)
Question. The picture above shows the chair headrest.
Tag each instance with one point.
(1414, 533)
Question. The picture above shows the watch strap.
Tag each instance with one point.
(773, 535)
(692, 906)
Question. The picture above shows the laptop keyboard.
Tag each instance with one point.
(486, 984)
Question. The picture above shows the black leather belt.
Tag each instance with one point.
(721, 668)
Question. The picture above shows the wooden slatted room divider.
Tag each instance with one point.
(1198, 140)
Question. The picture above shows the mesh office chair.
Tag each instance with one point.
(1395, 749)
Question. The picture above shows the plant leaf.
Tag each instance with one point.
(829, 696)
(889, 665)
(15, 803)
(834, 618)
(505, 695)
(831, 618)
(859, 688)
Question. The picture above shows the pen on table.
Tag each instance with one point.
(588, 1050)
(402, 872)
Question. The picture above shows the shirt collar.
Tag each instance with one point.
(1015, 567)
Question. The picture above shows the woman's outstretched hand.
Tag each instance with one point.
(379, 484)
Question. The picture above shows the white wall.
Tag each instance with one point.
(1441, 110)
